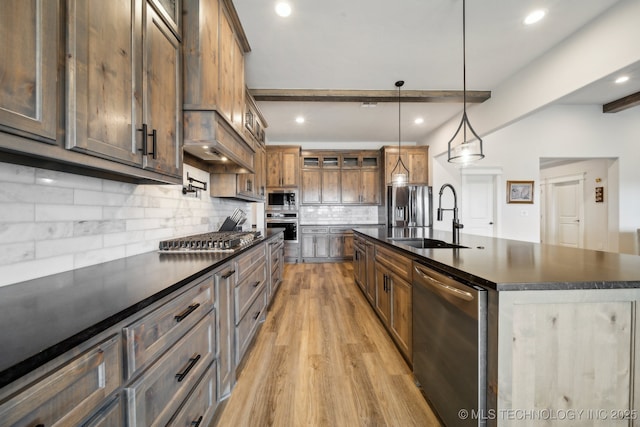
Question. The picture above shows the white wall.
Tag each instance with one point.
(596, 214)
(560, 131)
(53, 221)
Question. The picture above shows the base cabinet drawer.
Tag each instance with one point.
(247, 326)
(245, 264)
(153, 399)
(70, 393)
(148, 336)
(110, 415)
(248, 289)
(200, 405)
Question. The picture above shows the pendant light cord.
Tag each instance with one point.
(464, 68)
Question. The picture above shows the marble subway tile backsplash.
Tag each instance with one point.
(54, 221)
(329, 214)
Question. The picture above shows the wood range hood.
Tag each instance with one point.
(209, 137)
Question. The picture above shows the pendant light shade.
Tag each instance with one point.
(465, 146)
(400, 173)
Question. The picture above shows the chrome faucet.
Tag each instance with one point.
(456, 226)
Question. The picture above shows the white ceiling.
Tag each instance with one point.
(369, 44)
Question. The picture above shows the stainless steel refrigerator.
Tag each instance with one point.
(409, 206)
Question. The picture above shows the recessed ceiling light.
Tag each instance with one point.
(283, 9)
(534, 16)
(419, 121)
(300, 119)
(622, 79)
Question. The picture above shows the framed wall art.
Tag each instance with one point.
(519, 191)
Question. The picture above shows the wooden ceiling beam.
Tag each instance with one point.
(622, 103)
(322, 95)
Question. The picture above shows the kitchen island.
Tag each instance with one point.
(562, 325)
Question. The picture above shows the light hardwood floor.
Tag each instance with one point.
(322, 358)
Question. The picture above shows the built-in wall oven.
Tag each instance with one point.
(286, 220)
(289, 221)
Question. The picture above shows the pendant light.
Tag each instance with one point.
(400, 173)
(464, 152)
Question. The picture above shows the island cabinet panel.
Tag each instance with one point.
(563, 350)
(156, 395)
(383, 296)
(71, 392)
(124, 84)
(29, 43)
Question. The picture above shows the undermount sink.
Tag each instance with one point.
(427, 243)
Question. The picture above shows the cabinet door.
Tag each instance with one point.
(370, 186)
(290, 165)
(322, 246)
(390, 160)
(104, 109)
(273, 168)
(311, 186)
(336, 246)
(383, 297)
(224, 282)
(330, 186)
(351, 186)
(419, 165)
(225, 51)
(162, 96)
(370, 276)
(308, 246)
(171, 12)
(28, 41)
(347, 246)
(401, 323)
(237, 112)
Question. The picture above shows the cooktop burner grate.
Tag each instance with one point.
(215, 241)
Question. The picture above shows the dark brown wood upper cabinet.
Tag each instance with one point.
(123, 76)
(28, 69)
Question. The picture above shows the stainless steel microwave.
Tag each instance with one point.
(282, 199)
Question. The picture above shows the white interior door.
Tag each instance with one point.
(567, 202)
(478, 204)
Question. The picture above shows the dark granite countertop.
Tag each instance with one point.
(43, 318)
(512, 265)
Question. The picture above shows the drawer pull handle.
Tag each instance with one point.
(255, 285)
(255, 316)
(229, 274)
(192, 362)
(197, 422)
(180, 317)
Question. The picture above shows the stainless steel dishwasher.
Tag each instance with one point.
(449, 346)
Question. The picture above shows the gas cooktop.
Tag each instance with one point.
(215, 241)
